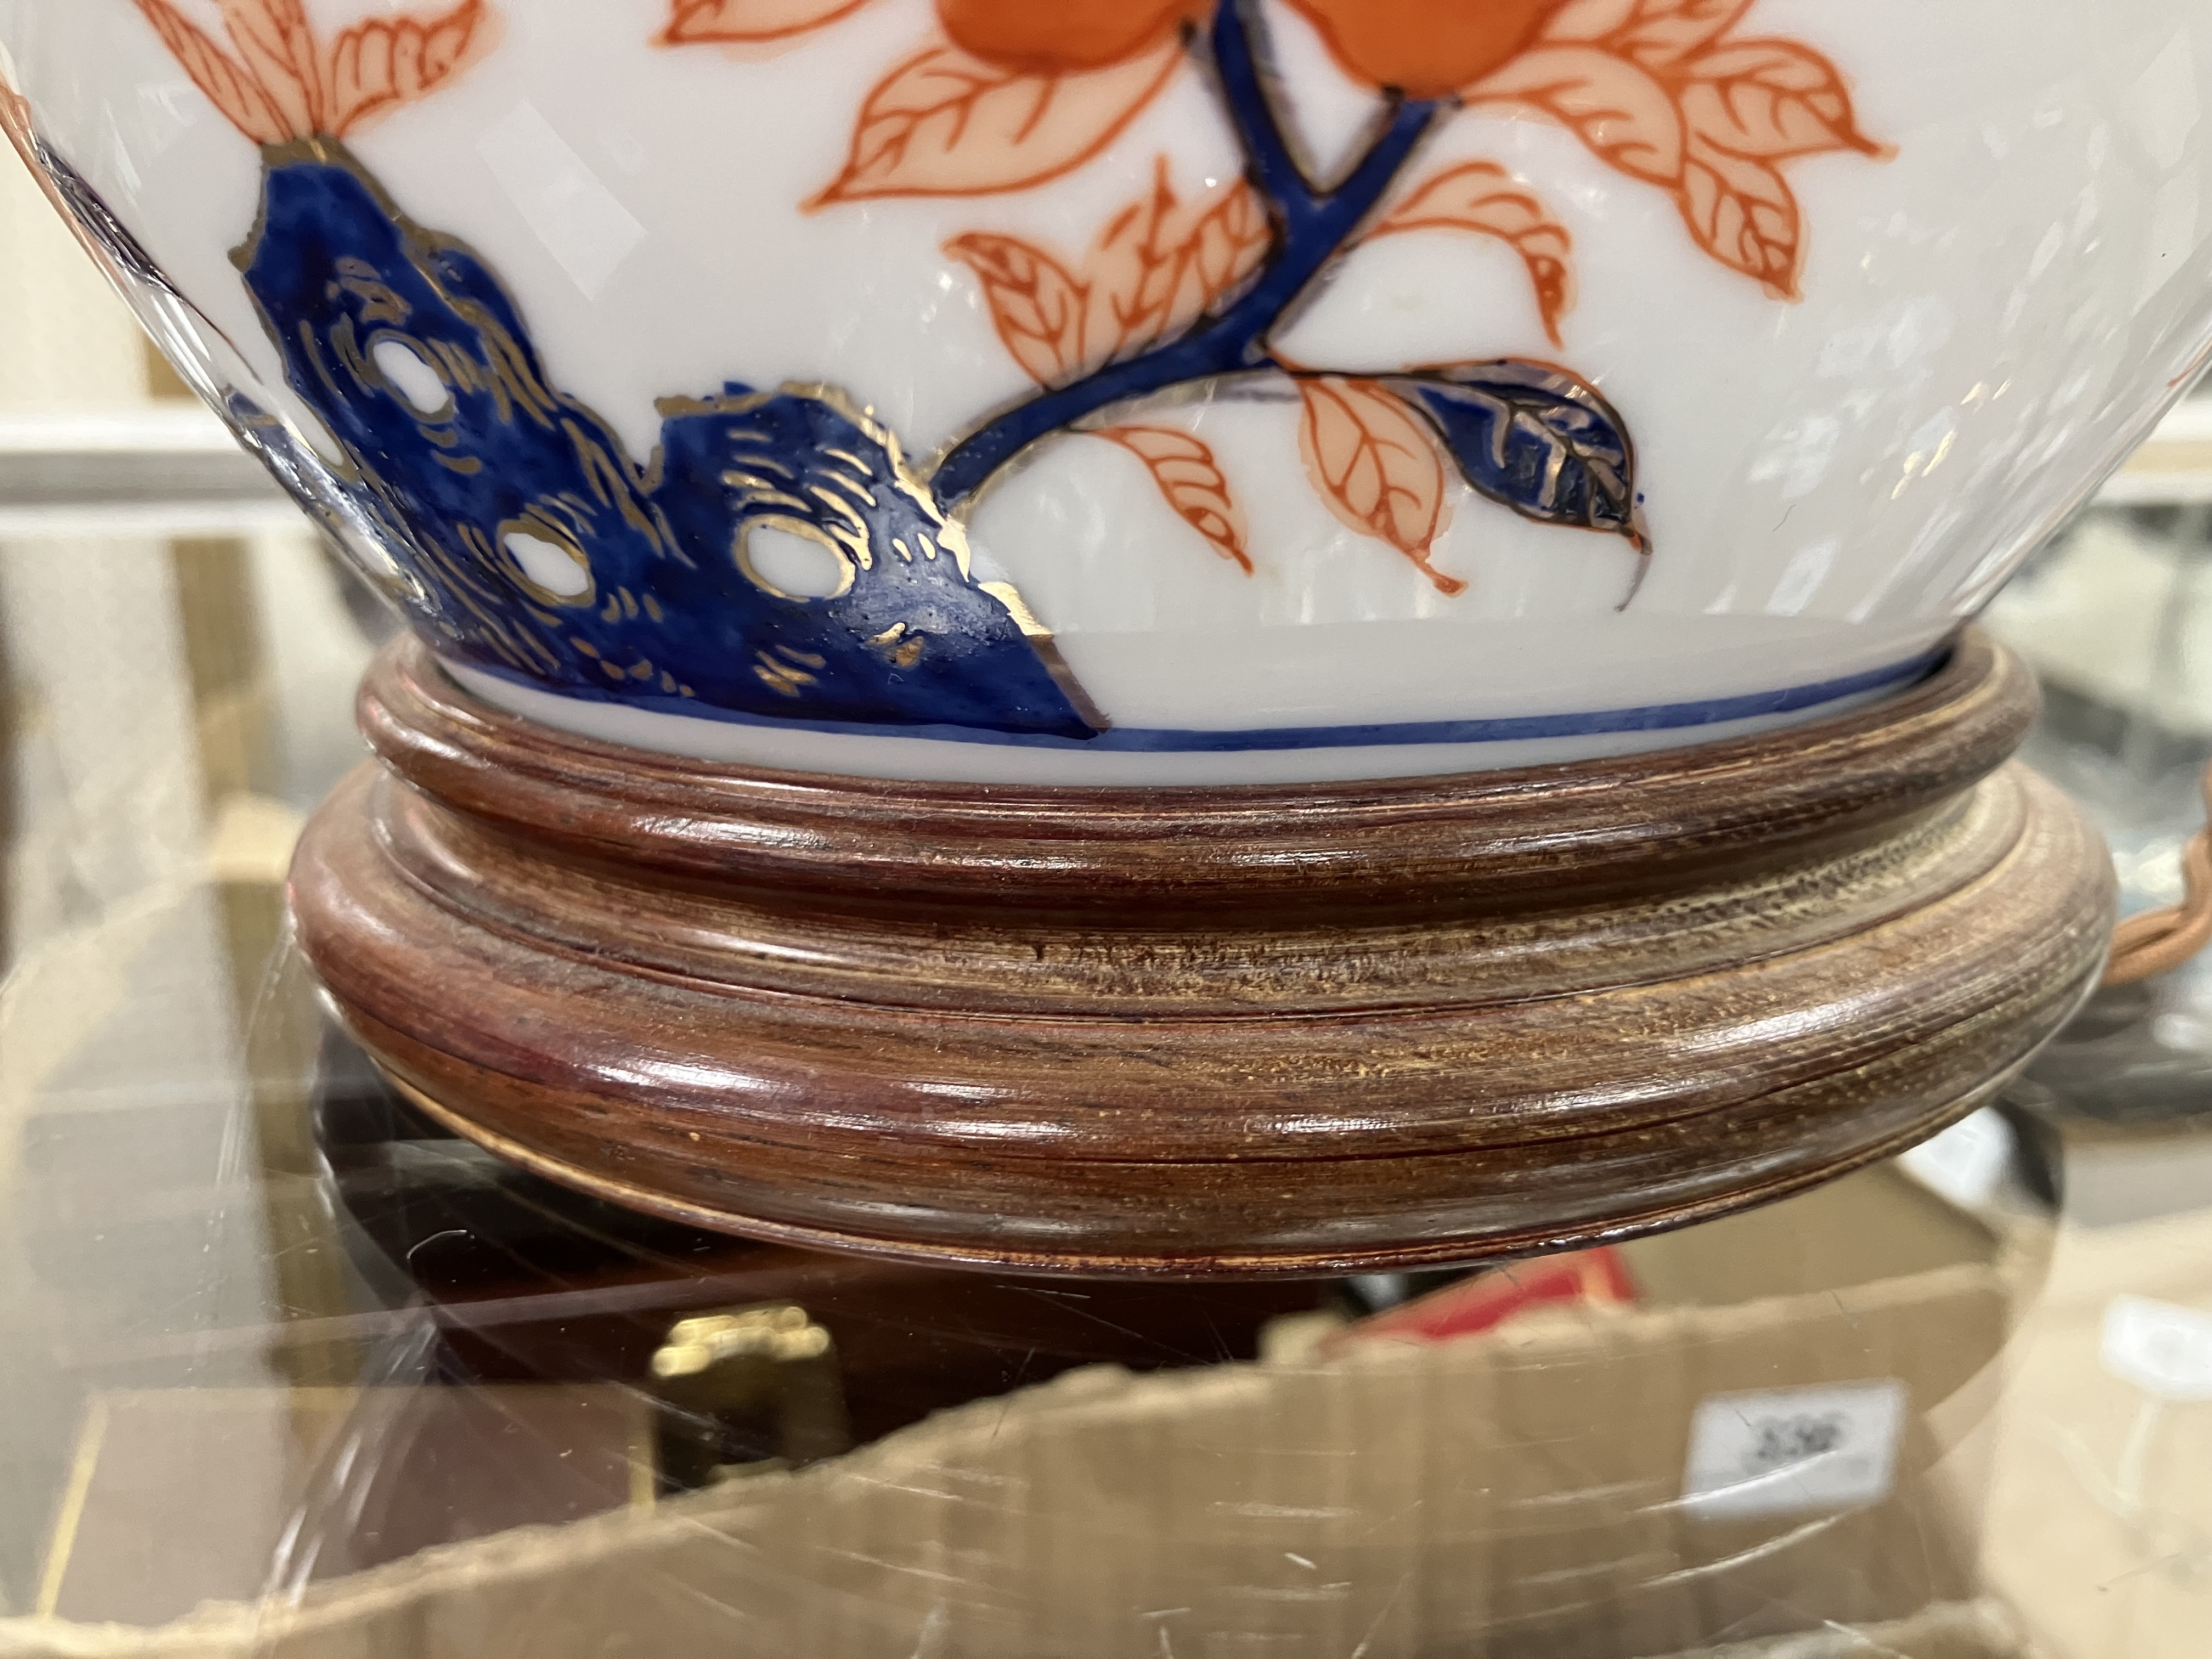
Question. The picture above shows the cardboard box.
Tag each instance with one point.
(1778, 1440)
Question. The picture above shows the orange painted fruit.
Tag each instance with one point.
(1426, 48)
(1059, 37)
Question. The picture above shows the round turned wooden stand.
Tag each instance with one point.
(1205, 1031)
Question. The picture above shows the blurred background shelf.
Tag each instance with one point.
(2174, 468)
(167, 469)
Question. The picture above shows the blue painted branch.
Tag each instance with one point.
(1312, 230)
(1270, 161)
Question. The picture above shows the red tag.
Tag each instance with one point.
(1489, 1299)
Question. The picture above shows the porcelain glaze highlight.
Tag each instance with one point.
(1155, 391)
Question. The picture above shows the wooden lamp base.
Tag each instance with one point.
(1205, 1031)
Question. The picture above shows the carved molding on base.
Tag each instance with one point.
(1205, 1031)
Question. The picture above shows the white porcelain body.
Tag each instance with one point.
(1992, 314)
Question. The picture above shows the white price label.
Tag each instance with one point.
(1793, 1451)
(2164, 1350)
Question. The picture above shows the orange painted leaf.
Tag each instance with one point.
(276, 47)
(381, 64)
(228, 86)
(1738, 107)
(1134, 259)
(1159, 266)
(1192, 481)
(1617, 108)
(691, 22)
(1484, 197)
(1770, 99)
(945, 123)
(1742, 212)
(1038, 309)
(1668, 31)
(1231, 240)
(1655, 33)
(1376, 463)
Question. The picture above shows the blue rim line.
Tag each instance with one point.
(1657, 717)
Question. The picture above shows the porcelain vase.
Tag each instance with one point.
(1157, 391)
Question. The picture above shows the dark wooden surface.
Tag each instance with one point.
(1198, 1031)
